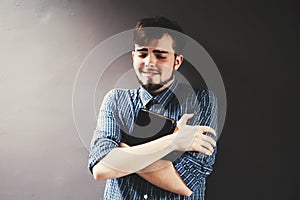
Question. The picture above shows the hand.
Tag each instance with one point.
(191, 138)
(123, 145)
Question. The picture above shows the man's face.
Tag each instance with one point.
(154, 64)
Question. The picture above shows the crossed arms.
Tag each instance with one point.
(122, 160)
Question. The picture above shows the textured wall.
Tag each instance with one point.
(43, 43)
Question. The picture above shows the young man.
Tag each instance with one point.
(141, 171)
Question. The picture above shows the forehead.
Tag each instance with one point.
(165, 43)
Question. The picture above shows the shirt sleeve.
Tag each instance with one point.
(192, 166)
(107, 134)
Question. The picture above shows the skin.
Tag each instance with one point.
(145, 161)
(154, 64)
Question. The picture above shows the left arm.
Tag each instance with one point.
(165, 176)
(186, 171)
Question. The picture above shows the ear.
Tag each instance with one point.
(132, 53)
(178, 62)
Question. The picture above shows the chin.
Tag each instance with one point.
(152, 87)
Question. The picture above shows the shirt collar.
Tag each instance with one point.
(161, 98)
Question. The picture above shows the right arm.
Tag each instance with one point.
(123, 161)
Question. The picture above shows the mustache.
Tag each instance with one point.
(152, 69)
(146, 69)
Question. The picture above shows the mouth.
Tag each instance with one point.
(150, 73)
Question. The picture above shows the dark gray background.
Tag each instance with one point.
(43, 43)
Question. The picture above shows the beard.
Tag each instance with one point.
(150, 86)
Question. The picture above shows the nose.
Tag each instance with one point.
(150, 60)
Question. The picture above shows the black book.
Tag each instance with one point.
(148, 126)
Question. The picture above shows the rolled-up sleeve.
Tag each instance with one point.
(193, 167)
(107, 134)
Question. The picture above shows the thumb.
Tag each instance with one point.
(183, 120)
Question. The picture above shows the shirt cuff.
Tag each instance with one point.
(103, 147)
(193, 168)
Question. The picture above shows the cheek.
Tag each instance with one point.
(137, 71)
(137, 63)
(137, 67)
(167, 67)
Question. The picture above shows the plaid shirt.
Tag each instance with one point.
(118, 111)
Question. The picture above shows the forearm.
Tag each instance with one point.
(163, 175)
(123, 161)
(102, 172)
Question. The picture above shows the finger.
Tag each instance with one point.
(200, 142)
(201, 137)
(208, 146)
(209, 140)
(204, 129)
(122, 144)
(183, 120)
(203, 150)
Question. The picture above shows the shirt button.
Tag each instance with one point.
(145, 196)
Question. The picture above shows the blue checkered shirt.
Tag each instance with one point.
(119, 110)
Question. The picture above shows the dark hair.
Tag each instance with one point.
(143, 35)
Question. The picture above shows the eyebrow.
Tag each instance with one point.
(154, 51)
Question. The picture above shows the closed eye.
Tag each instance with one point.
(161, 57)
(142, 55)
